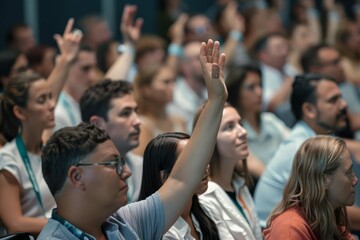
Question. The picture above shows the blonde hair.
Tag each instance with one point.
(306, 190)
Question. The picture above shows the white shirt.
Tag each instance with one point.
(11, 161)
(230, 222)
(135, 163)
(67, 112)
(182, 230)
(186, 102)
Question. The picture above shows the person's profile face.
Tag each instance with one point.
(123, 123)
(330, 106)
(251, 93)
(341, 184)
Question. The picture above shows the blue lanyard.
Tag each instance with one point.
(68, 109)
(74, 230)
(25, 157)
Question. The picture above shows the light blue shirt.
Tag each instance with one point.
(140, 220)
(269, 190)
(272, 133)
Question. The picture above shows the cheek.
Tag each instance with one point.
(224, 144)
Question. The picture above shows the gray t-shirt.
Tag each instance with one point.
(140, 220)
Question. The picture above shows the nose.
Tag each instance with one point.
(126, 173)
(343, 103)
(137, 121)
(242, 133)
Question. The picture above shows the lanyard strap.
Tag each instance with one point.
(25, 157)
(68, 109)
(74, 230)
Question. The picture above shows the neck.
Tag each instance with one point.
(83, 218)
(186, 215)
(186, 212)
(222, 176)
(155, 111)
(32, 139)
(294, 60)
(73, 93)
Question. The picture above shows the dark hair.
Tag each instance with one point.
(304, 90)
(11, 33)
(310, 57)
(36, 54)
(67, 147)
(15, 93)
(96, 99)
(7, 61)
(262, 43)
(235, 80)
(160, 156)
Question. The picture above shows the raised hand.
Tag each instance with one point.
(130, 30)
(212, 64)
(69, 42)
(177, 29)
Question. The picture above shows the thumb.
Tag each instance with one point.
(58, 39)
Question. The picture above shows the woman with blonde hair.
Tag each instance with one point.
(322, 182)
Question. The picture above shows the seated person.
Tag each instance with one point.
(86, 175)
(322, 182)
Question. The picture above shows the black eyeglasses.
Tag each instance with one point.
(119, 163)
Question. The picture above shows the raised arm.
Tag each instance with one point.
(68, 44)
(131, 32)
(192, 162)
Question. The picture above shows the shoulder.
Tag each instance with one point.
(289, 225)
(54, 230)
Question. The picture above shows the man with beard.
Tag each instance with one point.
(319, 108)
(111, 106)
(189, 90)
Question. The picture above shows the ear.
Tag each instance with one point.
(327, 181)
(97, 121)
(75, 177)
(19, 113)
(309, 110)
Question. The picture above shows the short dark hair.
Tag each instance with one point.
(67, 147)
(262, 43)
(235, 80)
(12, 31)
(96, 99)
(310, 57)
(304, 90)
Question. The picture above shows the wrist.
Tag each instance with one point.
(126, 48)
(236, 35)
(175, 49)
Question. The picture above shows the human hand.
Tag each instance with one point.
(69, 42)
(233, 18)
(131, 31)
(213, 69)
(177, 29)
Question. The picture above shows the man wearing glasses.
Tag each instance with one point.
(82, 169)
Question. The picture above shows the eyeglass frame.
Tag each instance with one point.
(119, 167)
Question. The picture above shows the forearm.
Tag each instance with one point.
(333, 22)
(120, 69)
(59, 75)
(230, 47)
(26, 224)
(314, 23)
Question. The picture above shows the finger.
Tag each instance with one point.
(202, 54)
(209, 47)
(58, 39)
(139, 22)
(222, 60)
(216, 53)
(69, 26)
(215, 71)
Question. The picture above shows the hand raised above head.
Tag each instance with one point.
(212, 64)
(69, 42)
(129, 27)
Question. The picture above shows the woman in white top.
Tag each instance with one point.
(26, 110)
(159, 158)
(228, 199)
